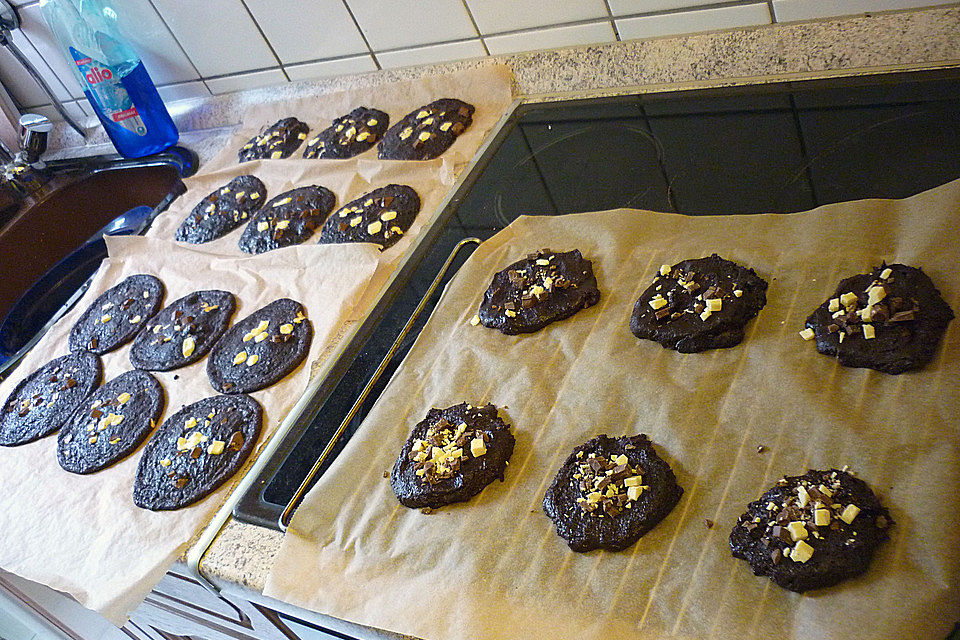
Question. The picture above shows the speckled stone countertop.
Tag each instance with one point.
(242, 554)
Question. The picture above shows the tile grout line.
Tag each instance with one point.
(182, 50)
(613, 22)
(265, 39)
(483, 43)
(773, 12)
(363, 36)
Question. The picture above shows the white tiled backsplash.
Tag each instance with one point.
(194, 48)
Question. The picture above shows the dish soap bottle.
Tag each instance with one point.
(112, 76)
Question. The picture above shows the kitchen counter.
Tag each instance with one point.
(241, 555)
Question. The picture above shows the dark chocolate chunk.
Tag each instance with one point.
(223, 210)
(427, 132)
(169, 476)
(675, 310)
(542, 288)
(46, 398)
(117, 315)
(780, 536)
(261, 349)
(451, 455)
(183, 332)
(905, 314)
(110, 423)
(278, 141)
(289, 218)
(349, 135)
(381, 217)
(613, 517)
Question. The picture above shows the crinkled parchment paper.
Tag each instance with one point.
(495, 568)
(83, 534)
(488, 89)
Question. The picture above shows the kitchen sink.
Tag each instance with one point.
(52, 241)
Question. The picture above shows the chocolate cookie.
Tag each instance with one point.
(811, 531)
(426, 133)
(699, 304)
(349, 135)
(277, 141)
(223, 210)
(110, 423)
(183, 332)
(609, 492)
(260, 349)
(195, 451)
(289, 218)
(542, 288)
(46, 398)
(451, 456)
(890, 319)
(381, 216)
(117, 315)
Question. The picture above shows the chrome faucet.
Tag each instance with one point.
(33, 137)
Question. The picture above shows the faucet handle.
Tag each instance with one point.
(33, 135)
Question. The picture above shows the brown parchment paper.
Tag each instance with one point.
(495, 568)
(489, 89)
(83, 534)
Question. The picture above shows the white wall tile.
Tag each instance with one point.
(328, 68)
(183, 91)
(267, 78)
(432, 54)
(693, 21)
(790, 10)
(18, 82)
(398, 24)
(34, 27)
(628, 7)
(218, 35)
(551, 38)
(162, 56)
(497, 16)
(311, 30)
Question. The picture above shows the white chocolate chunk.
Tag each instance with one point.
(387, 216)
(286, 329)
(714, 304)
(738, 293)
(215, 448)
(283, 224)
(280, 203)
(190, 423)
(807, 334)
(374, 227)
(825, 490)
(875, 295)
(850, 513)
(633, 481)
(240, 358)
(542, 262)
(189, 344)
(276, 155)
(801, 552)
(706, 314)
(254, 195)
(803, 498)
(833, 305)
(252, 360)
(123, 398)
(886, 273)
(260, 337)
(135, 319)
(633, 493)
(475, 320)
(797, 530)
(263, 225)
(657, 302)
(665, 269)
(869, 333)
(301, 136)
(106, 318)
(406, 133)
(356, 221)
(165, 462)
(446, 126)
(821, 517)
(477, 448)
(849, 299)
(424, 136)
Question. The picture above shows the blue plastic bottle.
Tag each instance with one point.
(112, 76)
